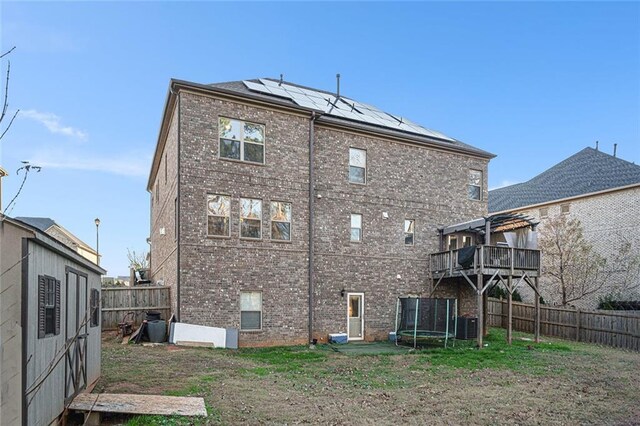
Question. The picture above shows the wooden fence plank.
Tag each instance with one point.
(118, 301)
(600, 327)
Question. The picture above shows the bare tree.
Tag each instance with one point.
(5, 101)
(138, 261)
(575, 270)
(625, 266)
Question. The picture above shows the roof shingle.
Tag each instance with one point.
(585, 172)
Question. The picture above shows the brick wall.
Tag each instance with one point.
(403, 181)
(163, 262)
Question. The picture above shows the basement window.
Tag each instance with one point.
(357, 165)
(240, 140)
(250, 310)
(280, 221)
(218, 211)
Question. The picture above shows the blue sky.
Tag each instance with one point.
(531, 82)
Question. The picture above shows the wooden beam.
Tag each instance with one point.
(139, 404)
(536, 327)
(473, 286)
(480, 304)
(509, 310)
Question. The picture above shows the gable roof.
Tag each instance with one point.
(41, 223)
(585, 172)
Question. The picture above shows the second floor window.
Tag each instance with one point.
(280, 221)
(218, 211)
(475, 184)
(409, 225)
(250, 218)
(356, 227)
(357, 165)
(241, 140)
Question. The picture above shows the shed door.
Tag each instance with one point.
(76, 335)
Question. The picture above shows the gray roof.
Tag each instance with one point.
(446, 141)
(586, 172)
(41, 223)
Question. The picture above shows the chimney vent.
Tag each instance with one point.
(615, 148)
(596, 145)
(338, 83)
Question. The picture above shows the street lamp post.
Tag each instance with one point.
(97, 222)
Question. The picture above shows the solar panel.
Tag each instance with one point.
(342, 107)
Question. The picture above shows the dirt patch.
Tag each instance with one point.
(552, 383)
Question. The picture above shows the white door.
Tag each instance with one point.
(355, 316)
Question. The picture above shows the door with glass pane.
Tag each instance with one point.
(355, 316)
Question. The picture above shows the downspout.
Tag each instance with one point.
(178, 209)
(312, 185)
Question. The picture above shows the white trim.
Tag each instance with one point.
(361, 315)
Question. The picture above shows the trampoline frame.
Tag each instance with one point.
(428, 334)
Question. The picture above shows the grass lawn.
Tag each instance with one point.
(553, 382)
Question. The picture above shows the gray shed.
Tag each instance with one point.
(49, 325)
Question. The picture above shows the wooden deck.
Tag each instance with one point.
(487, 260)
(139, 404)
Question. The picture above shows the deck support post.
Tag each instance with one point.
(509, 310)
(536, 330)
(480, 310)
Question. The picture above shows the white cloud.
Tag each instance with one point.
(503, 184)
(131, 164)
(53, 123)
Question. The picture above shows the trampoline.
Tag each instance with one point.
(423, 319)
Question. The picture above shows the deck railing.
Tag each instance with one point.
(488, 257)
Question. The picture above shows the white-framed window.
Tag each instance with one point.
(453, 242)
(250, 218)
(250, 310)
(564, 208)
(280, 221)
(409, 231)
(241, 140)
(475, 184)
(467, 241)
(544, 212)
(357, 165)
(356, 227)
(218, 213)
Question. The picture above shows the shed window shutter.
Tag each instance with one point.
(57, 307)
(41, 309)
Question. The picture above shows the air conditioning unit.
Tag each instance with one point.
(467, 328)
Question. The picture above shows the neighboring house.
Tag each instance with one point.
(603, 193)
(290, 213)
(49, 324)
(50, 227)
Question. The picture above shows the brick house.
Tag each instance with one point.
(600, 190)
(241, 170)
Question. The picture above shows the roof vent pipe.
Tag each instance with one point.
(596, 145)
(281, 78)
(338, 84)
(615, 148)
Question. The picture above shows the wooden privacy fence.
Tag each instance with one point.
(117, 301)
(621, 330)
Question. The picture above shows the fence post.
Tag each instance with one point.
(577, 325)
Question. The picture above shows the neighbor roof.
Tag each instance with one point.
(41, 223)
(586, 172)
